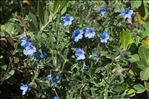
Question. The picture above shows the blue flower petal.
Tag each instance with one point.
(80, 54)
(126, 13)
(89, 33)
(77, 35)
(24, 41)
(103, 11)
(29, 50)
(67, 19)
(24, 88)
(104, 37)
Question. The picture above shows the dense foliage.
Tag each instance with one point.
(64, 49)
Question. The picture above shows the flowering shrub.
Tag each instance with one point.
(76, 49)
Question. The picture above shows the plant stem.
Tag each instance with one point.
(81, 90)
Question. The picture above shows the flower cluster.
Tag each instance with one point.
(29, 49)
(86, 33)
(79, 53)
(90, 33)
(126, 13)
(78, 34)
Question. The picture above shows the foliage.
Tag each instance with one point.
(112, 63)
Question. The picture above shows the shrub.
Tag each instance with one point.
(76, 49)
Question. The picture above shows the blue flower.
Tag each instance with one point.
(104, 37)
(126, 13)
(24, 41)
(29, 50)
(77, 35)
(89, 33)
(80, 54)
(53, 79)
(54, 97)
(24, 88)
(103, 11)
(94, 56)
(67, 19)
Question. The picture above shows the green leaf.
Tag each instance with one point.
(130, 92)
(56, 4)
(33, 21)
(136, 4)
(139, 88)
(33, 17)
(64, 10)
(42, 13)
(46, 16)
(10, 73)
(125, 39)
(146, 31)
(146, 84)
(144, 75)
(9, 27)
(16, 59)
(137, 40)
(59, 3)
(4, 67)
(134, 58)
(146, 6)
(144, 55)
